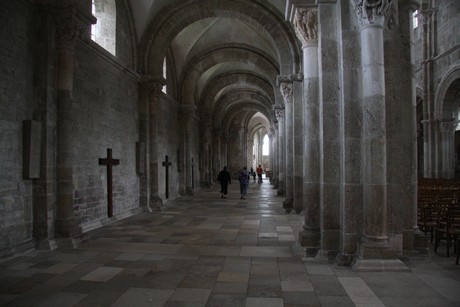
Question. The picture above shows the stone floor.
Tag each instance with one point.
(208, 251)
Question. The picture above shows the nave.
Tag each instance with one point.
(206, 251)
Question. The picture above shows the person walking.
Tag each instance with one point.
(243, 178)
(225, 180)
(252, 173)
(259, 171)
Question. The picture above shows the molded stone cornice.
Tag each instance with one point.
(289, 78)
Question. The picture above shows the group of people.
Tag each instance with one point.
(243, 177)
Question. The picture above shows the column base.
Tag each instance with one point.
(72, 242)
(326, 255)
(379, 265)
(46, 244)
(288, 205)
(344, 259)
(190, 191)
(280, 192)
(67, 228)
(420, 242)
(309, 239)
(155, 203)
(375, 248)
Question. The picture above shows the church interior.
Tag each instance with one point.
(116, 117)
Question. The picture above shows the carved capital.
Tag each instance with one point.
(447, 126)
(372, 12)
(306, 24)
(68, 29)
(286, 91)
(279, 113)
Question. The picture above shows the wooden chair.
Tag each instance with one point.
(448, 227)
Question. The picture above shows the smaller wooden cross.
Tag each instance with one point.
(109, 162)
(167, 164)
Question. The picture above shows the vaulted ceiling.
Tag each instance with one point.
(225, 55)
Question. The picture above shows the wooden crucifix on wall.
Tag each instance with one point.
(167, 164)
(109, 162)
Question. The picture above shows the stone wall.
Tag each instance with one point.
(169, 135)
(16, 104)
(106, 116)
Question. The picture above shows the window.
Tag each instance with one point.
(415, 19)
(104, 31)
(266, 146)
(164, 75)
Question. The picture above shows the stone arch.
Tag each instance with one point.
(255, 102)
(445, 95)
(447, 101)
(232, 53)
(222, 81)
(179, 14)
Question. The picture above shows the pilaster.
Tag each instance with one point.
(188, 112)
(70, 24)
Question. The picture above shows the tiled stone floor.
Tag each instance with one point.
(208, 251)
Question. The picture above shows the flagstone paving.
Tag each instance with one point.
(206, 251)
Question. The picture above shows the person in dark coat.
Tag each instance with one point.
(225, 180)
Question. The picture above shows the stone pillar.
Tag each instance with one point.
(279, 113)
(274, 179)
(144, 137)
(401, 133)
(154, 90)
(374, 252)
(427, 20)
(260, 147)
(44, 192)
(217, 161)
(250, 153)
(188, 112)
(310, 236)
(270, 150)
(286, 84)
(223, 149)
(447, 127)
(68, 27)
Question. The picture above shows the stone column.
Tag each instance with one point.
(447, 127)
(374, 247)
(427, 20)
(44, 192)
(188, 112)
(153, 93)
(279, 113)
(310, 236)
(68, 29)
(144, 137)
(217, 161)
(270, 150)
(286, 84)
(401, 132)
(250, 150)
(223, 149)
(274, 179)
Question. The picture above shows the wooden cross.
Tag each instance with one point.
(109, 162)
(167, 164)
